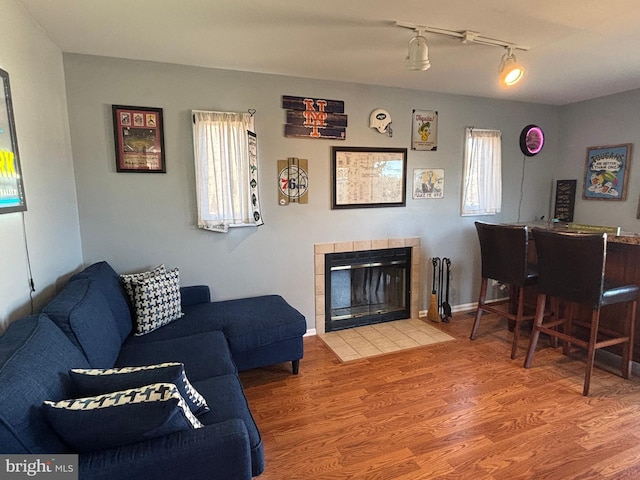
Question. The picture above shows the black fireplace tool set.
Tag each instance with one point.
(439, 306)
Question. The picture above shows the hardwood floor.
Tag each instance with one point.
(457, 410)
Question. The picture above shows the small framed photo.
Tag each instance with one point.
(139, 139)
(606, 172)
(428, 183)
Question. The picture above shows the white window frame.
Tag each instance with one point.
(482, 173)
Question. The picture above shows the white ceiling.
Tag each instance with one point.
(579, 49)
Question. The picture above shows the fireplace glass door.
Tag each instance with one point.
(367, 287)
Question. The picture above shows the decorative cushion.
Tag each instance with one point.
(156, 301)
(120, 418)
(90, 382)
(139, 277)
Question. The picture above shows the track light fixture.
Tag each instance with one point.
(511, 72)
(418, 57)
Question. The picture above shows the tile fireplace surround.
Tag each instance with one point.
(320, 249)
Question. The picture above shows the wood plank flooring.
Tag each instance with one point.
(456, 410)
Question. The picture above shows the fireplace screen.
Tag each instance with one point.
(367, 287)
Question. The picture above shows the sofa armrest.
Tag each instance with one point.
(194, 294)
(216, 451)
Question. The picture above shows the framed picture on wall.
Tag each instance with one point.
(606, 172)
(428, 183)
(424, 130)
(139, 139)
(12, 197)
(368, 177)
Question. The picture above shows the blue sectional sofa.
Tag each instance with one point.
(88, 326)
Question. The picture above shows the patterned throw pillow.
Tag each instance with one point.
(90, 382)
(139, 277)
(156, 301)
(119, 418)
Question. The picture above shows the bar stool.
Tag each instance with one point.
(503, 250)
(572, 268)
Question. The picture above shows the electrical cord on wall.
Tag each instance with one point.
(32, 287)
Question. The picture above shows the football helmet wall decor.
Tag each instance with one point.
(381, 120)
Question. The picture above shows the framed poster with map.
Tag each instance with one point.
(368, 177)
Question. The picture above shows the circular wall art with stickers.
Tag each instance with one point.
(531, 140)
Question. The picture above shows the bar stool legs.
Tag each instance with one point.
(591, 345)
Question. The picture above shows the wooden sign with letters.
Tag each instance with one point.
(314, 118)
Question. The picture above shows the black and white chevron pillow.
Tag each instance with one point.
(96, 381)
(120, 418)
(156, 301)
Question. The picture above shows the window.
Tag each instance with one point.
(482, 175)
(226, 170)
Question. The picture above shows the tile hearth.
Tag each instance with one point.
(372, 340)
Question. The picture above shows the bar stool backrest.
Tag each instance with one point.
(571, 265)
(503, 249)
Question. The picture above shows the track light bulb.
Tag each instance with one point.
(511, 72)
(418, 58)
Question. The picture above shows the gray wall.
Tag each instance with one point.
(609, 120)
(136, 221)
(139, 220)
(51, 222)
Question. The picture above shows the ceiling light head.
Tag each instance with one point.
(511, 72)
(418, 58)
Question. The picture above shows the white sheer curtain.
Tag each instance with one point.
(482, 175)
(221, 151)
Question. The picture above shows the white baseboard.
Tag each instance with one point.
(463, 307)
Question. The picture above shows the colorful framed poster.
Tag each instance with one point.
(368, 177)
(428, 183)
(12, 197)
(424, 132)
(139, 139)
(606, 172)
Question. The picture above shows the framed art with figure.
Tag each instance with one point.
(606, 172)
(428, 183)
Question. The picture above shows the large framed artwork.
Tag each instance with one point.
(12, 198)
(606, 172)
(139, 139)
(368, 177)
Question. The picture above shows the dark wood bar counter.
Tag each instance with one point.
(622, 266)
